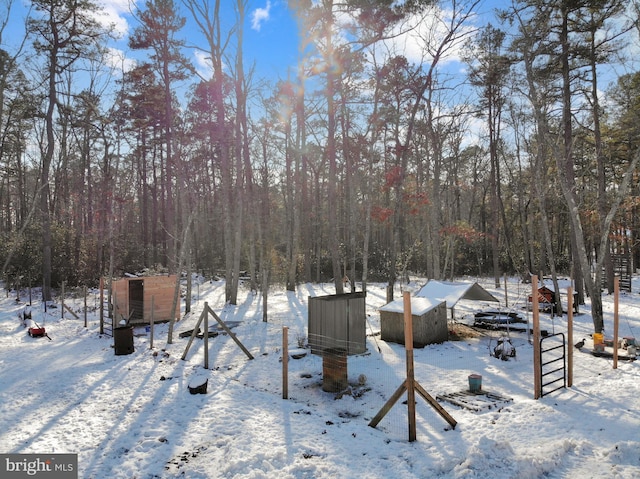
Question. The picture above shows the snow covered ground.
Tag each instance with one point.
(132, 416)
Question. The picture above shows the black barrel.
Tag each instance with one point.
(123, 340)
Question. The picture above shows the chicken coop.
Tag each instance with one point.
(132, 299)
(429, 321)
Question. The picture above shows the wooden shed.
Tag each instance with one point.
(337, 322)
(547, 299)
(429, 321)
(132, 297)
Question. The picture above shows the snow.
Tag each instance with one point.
(132, 416)
(419, 306)
(451, 293)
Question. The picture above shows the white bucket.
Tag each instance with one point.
(631, 350)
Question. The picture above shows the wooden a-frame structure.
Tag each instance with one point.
(410, 385)
(204, 317)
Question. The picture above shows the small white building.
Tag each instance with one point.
(429, 321)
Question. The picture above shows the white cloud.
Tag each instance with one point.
(421, 34)
(260, 15)
(118, 61)
(203, 64)
(114, 14)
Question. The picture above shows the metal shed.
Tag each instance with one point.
(132, 297)
(337, 322)
(429, 321)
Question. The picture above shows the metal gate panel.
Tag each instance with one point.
(553, 363)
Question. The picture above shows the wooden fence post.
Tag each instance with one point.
(616, 322)
(285, 362)
(570, 336)
(206, 336)
(408, 346)
(152, 319)
(101, 305)
(506, 292)
(537, 373)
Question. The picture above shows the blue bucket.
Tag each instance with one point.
(475, 383)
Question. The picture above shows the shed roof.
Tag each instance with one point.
(451, 293)
(419, 306)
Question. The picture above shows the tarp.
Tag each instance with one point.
(451, 293)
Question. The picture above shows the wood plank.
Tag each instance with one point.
(389, 404)
(410, 383)
(228, 331)
(475, 401)
(70, 310)
(194, 332)
(427, 397)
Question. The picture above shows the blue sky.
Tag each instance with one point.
(270, 31)
(271, 37)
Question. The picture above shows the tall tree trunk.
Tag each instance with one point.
(600, 162)
(582, 276)
(332, 200)
(47, 158)
(294, 148)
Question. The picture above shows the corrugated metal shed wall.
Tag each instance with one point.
(337, 322)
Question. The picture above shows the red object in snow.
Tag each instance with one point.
(545, 295)
(37, 332)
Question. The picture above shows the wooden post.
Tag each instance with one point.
(537, 373)
(194, 333)
(70, 311)
(408, 346)
(114, 320)
(151, 319)
(228, 331)
(570, 336)
(616, 322)
(101, 305)
(506, 292)
(285, 362)
(206, 336)
(205, 316)
(85, 306)
(64, 306)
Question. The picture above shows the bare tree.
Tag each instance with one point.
(63, 32)
(160, 23)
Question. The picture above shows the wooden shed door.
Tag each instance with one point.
(136, 299)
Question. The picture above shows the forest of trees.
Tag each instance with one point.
(359, 162)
